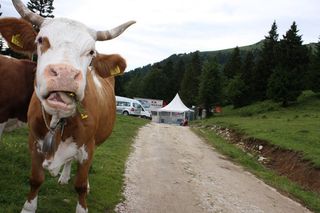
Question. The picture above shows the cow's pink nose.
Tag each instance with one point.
(63, 71)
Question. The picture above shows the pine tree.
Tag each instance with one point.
(176, 78)
(179, 72)
(190, 81)
(119, 85)
(247, 76)
(278, 86)
(314, 77)
(210, 88)
(133, 87)
(265, 64)
(168, 71)
(187, 88)
(43, 8)
(291, 68)
(236, 91)
(155, 84)
(233, 66)
(235, 86)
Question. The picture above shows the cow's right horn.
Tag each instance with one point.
(110, 34)
(27, 14)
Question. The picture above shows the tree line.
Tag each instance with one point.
(276, 69)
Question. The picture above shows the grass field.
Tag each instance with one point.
(295, 128)
(106, 175)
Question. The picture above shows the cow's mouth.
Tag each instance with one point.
(61, 100)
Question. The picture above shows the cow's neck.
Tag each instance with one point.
(56, 125)
(52, 125)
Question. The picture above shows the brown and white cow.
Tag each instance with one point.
(16, 88)
(73, 107)
(17, 76)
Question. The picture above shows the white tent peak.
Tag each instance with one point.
(176, 105)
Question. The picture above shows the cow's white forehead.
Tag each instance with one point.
(68, 39)
(64, 26)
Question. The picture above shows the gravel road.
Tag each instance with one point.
(171, 170)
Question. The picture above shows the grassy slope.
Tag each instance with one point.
(310, 199)
(296, 128)
(106, 176)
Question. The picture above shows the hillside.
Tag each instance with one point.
(129, 84)
(295, 127)
(222, 56)
(284, 140)
(181, 73)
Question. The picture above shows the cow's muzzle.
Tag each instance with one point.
(63, 87)
(60, 100)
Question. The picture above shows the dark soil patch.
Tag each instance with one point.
(285, 162)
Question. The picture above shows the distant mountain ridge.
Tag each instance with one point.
(204, 55)
(221, 55)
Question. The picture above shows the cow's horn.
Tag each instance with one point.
(110, 34)
(27, 14)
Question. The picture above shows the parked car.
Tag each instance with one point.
(128, 106)
(144, 113)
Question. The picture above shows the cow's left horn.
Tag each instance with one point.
(110, 34)
(27, 14)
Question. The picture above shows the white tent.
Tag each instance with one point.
(174, 113)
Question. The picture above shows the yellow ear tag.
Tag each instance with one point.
(79, 107)
(83, 116)
(115, 71)
(16, 39)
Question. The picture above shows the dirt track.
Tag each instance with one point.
(171, 170)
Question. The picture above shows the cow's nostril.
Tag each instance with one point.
(53, 72)
(77, 76)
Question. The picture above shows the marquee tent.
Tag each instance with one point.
(174, 113)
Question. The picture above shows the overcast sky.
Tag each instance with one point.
(169, 27)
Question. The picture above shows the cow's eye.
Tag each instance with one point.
(40, 40)
(92, 52)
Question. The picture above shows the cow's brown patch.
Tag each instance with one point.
(44, 44)
(19, 73)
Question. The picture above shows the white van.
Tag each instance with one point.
(128, 106)
(145, 114)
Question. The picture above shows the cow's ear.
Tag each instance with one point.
(109, 65)
(19, 35)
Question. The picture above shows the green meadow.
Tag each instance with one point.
(296, 128)
(106, 175)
